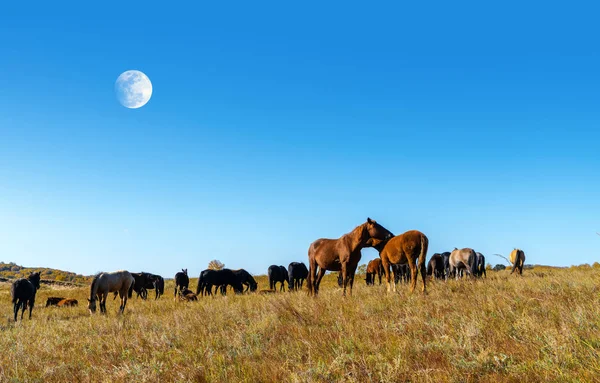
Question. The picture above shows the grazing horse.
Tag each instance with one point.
(246, 279)
(53, 301)
(480, 265)
(146, 281)
(104, 283)
(67, 302)
(410, 247)
(342, 254)
(374, 268)
(209, 278)
(517, 258)
(182, 281)
(142, 282)
(23, 292)
(297, 273)
(435, 267)
(277, 274)
(463, 259)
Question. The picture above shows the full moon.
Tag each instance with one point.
(133, 89)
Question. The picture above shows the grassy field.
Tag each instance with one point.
(544, 326)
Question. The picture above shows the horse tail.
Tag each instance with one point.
(13, 293)
(473, 263)
(422, 255)
(130, 291)
(424, 246)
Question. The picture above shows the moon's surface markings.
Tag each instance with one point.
(133, 89)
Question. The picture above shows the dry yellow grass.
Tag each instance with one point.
(544, 326)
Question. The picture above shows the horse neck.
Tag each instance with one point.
(94, 289)
(354, 239)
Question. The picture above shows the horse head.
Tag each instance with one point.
(373, 230)
(34, 278)
(92, 305)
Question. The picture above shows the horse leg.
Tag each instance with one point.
(318, 280)
(23, 307)
(31, 303)
(16, 309)
(352, 281)
(311, 279)
(413, 274)
(103, 302)
(123, 302)
(386, 270)
(344, 277)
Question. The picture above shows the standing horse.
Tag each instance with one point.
(435, 267)
(23, 292)
(277, 274)
(297, 273)
(182, 281)
(410, 247)
(463, 259)
(104, 283)
(517, 258)
(246, 279)
(374, 268)
(446, 262)
(342, 254)
(480, 268)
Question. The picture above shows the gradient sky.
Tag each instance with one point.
(273, 124)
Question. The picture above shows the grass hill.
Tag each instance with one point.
(10, 271)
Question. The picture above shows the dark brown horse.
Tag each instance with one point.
(435, 266)
(23, 292)
(342, 254)
(410, 247)
(374, 268)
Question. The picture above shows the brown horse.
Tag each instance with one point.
(374, 268)
(517, 258)
(410, 247)
(342, 254)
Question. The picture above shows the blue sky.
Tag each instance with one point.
(272, 125)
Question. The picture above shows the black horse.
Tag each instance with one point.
(159, 286)
(143, 281)
(146, 281)
(209, 278)
(446, 262)
(480, 265)
(182, 281)
(435, 267)
(23, 292)
(277, 274)
(245, 278)
(297, 273)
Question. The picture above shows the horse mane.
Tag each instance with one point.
(94, 283)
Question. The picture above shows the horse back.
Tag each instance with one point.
(403, 246)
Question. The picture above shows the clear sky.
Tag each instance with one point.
(272, 124)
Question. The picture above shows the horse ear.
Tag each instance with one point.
(89, 300)
(369, 220)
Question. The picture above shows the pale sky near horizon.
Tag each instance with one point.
(274, 124)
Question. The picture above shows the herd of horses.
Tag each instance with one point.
(401, 257)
